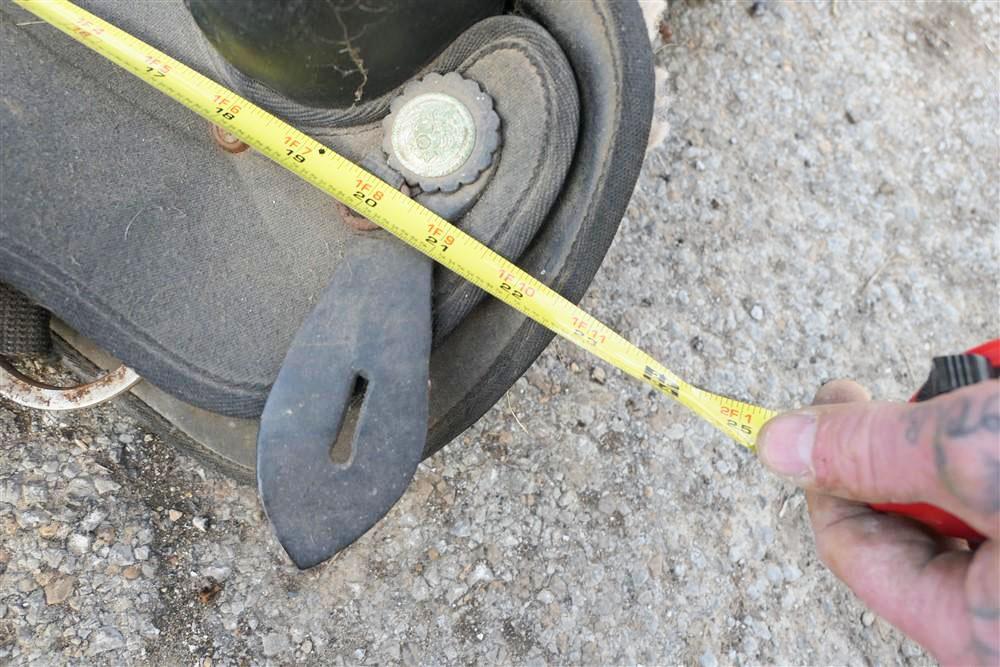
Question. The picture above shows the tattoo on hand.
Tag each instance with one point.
(952, 425)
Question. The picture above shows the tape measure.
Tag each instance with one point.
(393, 211)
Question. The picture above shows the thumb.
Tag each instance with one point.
(787, 449)
(841, 391)
(944, 451)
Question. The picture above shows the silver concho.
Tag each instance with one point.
(433, 135)
(441, 132)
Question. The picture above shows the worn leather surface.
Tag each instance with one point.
(196, 266)
(202, 288)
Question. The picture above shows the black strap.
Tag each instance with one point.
(24, 327)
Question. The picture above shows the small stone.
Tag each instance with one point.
(105, 485)
(105, 639)
(34, 493)
(80, 487)
(141, 553)
(481, 572)
(392, 650)
(31, 518)
(655, 565)
(274, 643)
(92, 520)
(217, 572)
(545, 597)
(53, 558)
(867, 618)
(674, 431)
(455, 592)
(598, 375)
(911, 37)
(200, 522)
(461, 529)
(58, 590)
(10, 492)
(174, 516)
(121, 554)
(774, 574)
(420, 591)
(757, 312)
(131, 572)
(708, 659)
(148, 630)
(49, 530)
(105, 534)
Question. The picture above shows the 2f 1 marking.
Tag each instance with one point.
(735, 416)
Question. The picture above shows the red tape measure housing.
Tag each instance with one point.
(935, 517)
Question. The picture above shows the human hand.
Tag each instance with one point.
(846, 452)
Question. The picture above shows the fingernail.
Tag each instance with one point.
(786, 443)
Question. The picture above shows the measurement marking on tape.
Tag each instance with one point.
(392, 210)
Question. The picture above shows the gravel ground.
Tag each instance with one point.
(824, 205)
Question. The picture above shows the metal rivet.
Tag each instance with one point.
(228, 142)
(358, 221)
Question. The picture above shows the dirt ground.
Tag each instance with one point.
(823, 205)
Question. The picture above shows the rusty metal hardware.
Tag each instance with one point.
(19, 388)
